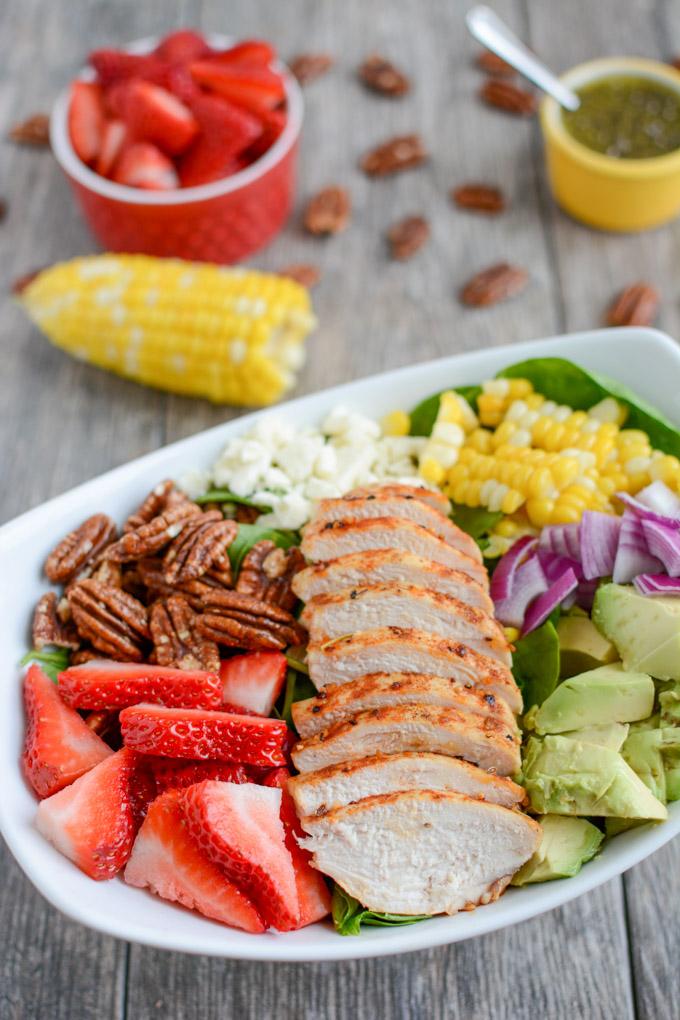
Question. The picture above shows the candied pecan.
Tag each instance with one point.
(303, 272)
(48, 627)
(149, 538)
(200, 543)
(176, 642)
(492, 64)
(110, 619)
(84, 655)
(636, 305)
(105, 725)
(307, 67)
(108, 572)
(399, 153)
(479, 198)
(408, 236)
(505, 95)
(492, 285)
(328, 211)
(380, 75)
(150, 575)
(77, 551)
(161, 498)
(35, 130)
(241, 621)
(267, 571)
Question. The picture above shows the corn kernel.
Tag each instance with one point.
(490, 408)
(565, 514)
(398, 423)
(511, 501)
(540, 510)
(540, 483)
(520, 388)
(480, 440)
(507, 528)
(503, 433)
(431, 470)
(511, 633)
(534, 401)
(609, 410)
(565, 471)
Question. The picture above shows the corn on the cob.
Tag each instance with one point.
(231, 335)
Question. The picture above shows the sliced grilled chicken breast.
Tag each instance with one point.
(484, 740)
(337, 538)
(400, 605)
(408, 508)
(319, 792)
(437, 500)
(379, 566)
(405, 650)
(421, 851)
(338, 703)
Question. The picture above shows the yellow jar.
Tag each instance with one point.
(605, 191)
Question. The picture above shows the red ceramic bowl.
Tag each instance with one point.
(224, 221)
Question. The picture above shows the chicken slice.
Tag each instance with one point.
(483, 740)
(405, 650)
(437, 500)
(340, 702)
(337, 538)
(378, 566)
(316, 793)
(400, 605)
(421, 851)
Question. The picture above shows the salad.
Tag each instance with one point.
(374, 669)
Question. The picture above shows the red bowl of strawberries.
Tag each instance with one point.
(183, 147)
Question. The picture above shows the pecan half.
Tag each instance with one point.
(505, 95)
(105, 724)
(408, 236)
(161, 498)
(636, 305)
(303, 272)
(399, 153)
(108, 572)
(494, 65)
(479, 198)
(267, 572)
(382, 76)
(241, 621)
(49, 628)
(85, 655)
(35, 130)
(493, 285)
(307, 67)
(328, 211)
(77, 551)
(150, 574)
(202, 541)
(176, 640)
(114, 622)
(150, 538)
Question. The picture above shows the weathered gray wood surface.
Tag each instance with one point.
(611, 954)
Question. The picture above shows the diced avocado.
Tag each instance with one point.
(672, 784)
(646, 631)
(602, 696)
(582, 646)
(642, 751)
(615, 826)
(566, 845)
(612, 735)
(569, 777)
(669, 706)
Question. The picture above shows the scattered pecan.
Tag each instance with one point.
(505, 95)
(202, 541)
(77, 551)
(303, 272)
(399, 153)
(114, 622)
(382, 76)
(307, 67)
(49, 628)
(636, 305)
(479, 198)
(176, 641)
(35, 130)
(164, 496)
(241, 621)
(408, 236)
(494, 65)
(267, 572)
(84, 655)
(152, 537)
(328, 211)
(495, 284)
(22, 282)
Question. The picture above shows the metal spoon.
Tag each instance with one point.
(493, 33)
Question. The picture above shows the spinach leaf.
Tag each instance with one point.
(225, 496)
(567, 383)
(249, 534)
(298, 687)
(53, 663)
(536, 663)
(476, 521)
(425, 414)
(349, 915)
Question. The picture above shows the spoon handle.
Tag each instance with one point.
(493, 33)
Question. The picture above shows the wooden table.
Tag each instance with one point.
(613, 953)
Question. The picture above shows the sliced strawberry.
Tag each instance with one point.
(253, 681)
(93, 822)
(113, 140)
(196, 733)
(116, 65)
(154, 115)
(272, 122)
(166, 860)
(255, 87)
(86, 120)
(178, 773)
(182, 46)
(178, 80)
(313, 894)
(59, 745)
(225, 131)
(107, 684)
(142, 165)
(250, 51)
(239, 828)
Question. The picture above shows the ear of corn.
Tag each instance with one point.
(229, 334)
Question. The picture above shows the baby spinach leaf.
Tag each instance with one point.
(53, 663)
(298, 687)
(425, 414)
(349, 915)
(249, 534)
(536, 664)
(225, 496)
(476, 521)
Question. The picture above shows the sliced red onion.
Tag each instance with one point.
(585, 594)
(529, 581)
(657, 584)
(504, 575)
(562, 539)
(599, 539)
(542, 607)
(664, 543)
(632, 556)
(554, 565)
(641, 505)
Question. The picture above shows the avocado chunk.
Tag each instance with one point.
(601, 696)
(612, 735)
(569, 777)
(582, 646)
(566, 845)
(646, 631)
(642, 751)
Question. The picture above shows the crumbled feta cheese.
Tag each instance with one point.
(195, 482)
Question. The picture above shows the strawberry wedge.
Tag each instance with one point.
(143, 165)
(93, 822)
(252, 86)
(86, 120)
(182, 46)
(155, 115)
(253, 681)
(59, 745)
(166, 860)
(225, 132)
(196, 733)
(178, 773)
(239, 829)
(106, 684)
